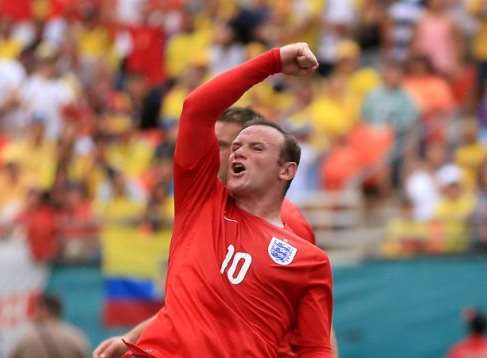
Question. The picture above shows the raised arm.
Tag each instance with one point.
(203, 106)
(196, 157)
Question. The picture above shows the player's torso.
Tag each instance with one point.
(236, 278)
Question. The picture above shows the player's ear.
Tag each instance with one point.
(288, 171)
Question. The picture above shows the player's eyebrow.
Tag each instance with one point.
(223, 143)
(257, 144)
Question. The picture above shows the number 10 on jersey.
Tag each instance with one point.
(233, 276)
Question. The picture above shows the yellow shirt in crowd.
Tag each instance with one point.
(480, 38)
(37, 162)
(453, 215)
(470, 157)
(10, 48)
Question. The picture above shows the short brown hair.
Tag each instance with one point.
(290, 151)
(240, 115)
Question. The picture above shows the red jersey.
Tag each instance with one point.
(471, 347)
(236, 284)
(293, 218)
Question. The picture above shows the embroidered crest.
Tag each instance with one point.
(281, 252)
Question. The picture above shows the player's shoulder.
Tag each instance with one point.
(294, 219)
(309, 251)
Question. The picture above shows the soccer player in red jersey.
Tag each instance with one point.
(238, 280)
(227, 127)
(475, 344)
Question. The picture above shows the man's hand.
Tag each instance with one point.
(110, 348)
(298, 59)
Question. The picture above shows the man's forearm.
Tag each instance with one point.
(206, 103)
(133, 335)
(216, 95)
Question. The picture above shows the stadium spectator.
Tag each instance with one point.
(478, 8)
(479, 217)
(49, 336)
(190, 42)
(454, 207)
(35, 153)
(45, 92)
(470, 155)
(389, 105)
(433, 97)
(341, 167)
(437, 38)
(12, 74)
(224, 52)
(420, 184)
(147, 47)
(39, 221)
(405, 236)
(475, 344)
(482, 119)
(120, 200)
(14, 185)
(334, 112)
(337, 21)
(10, 46)
(77, 227)
(399, 28)
(359, 81)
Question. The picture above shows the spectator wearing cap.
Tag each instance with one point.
(455, 206)
(475, 344)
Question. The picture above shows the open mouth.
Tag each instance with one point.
(238, 168)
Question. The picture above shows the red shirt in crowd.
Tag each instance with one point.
(18, 10)
(147, 55)
(471, 347)
(236, 283)
(41, 232)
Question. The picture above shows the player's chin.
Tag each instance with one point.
(236, 188)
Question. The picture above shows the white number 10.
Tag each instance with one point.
(247, 260)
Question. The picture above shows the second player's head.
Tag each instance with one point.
(263, 158)
(227, 127)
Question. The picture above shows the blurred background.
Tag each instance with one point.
(393, 177)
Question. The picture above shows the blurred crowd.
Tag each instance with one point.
(91, 92)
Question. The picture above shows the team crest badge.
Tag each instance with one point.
(281, 252)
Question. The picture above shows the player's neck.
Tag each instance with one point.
(266, 208)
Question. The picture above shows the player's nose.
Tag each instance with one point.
(240, 152)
